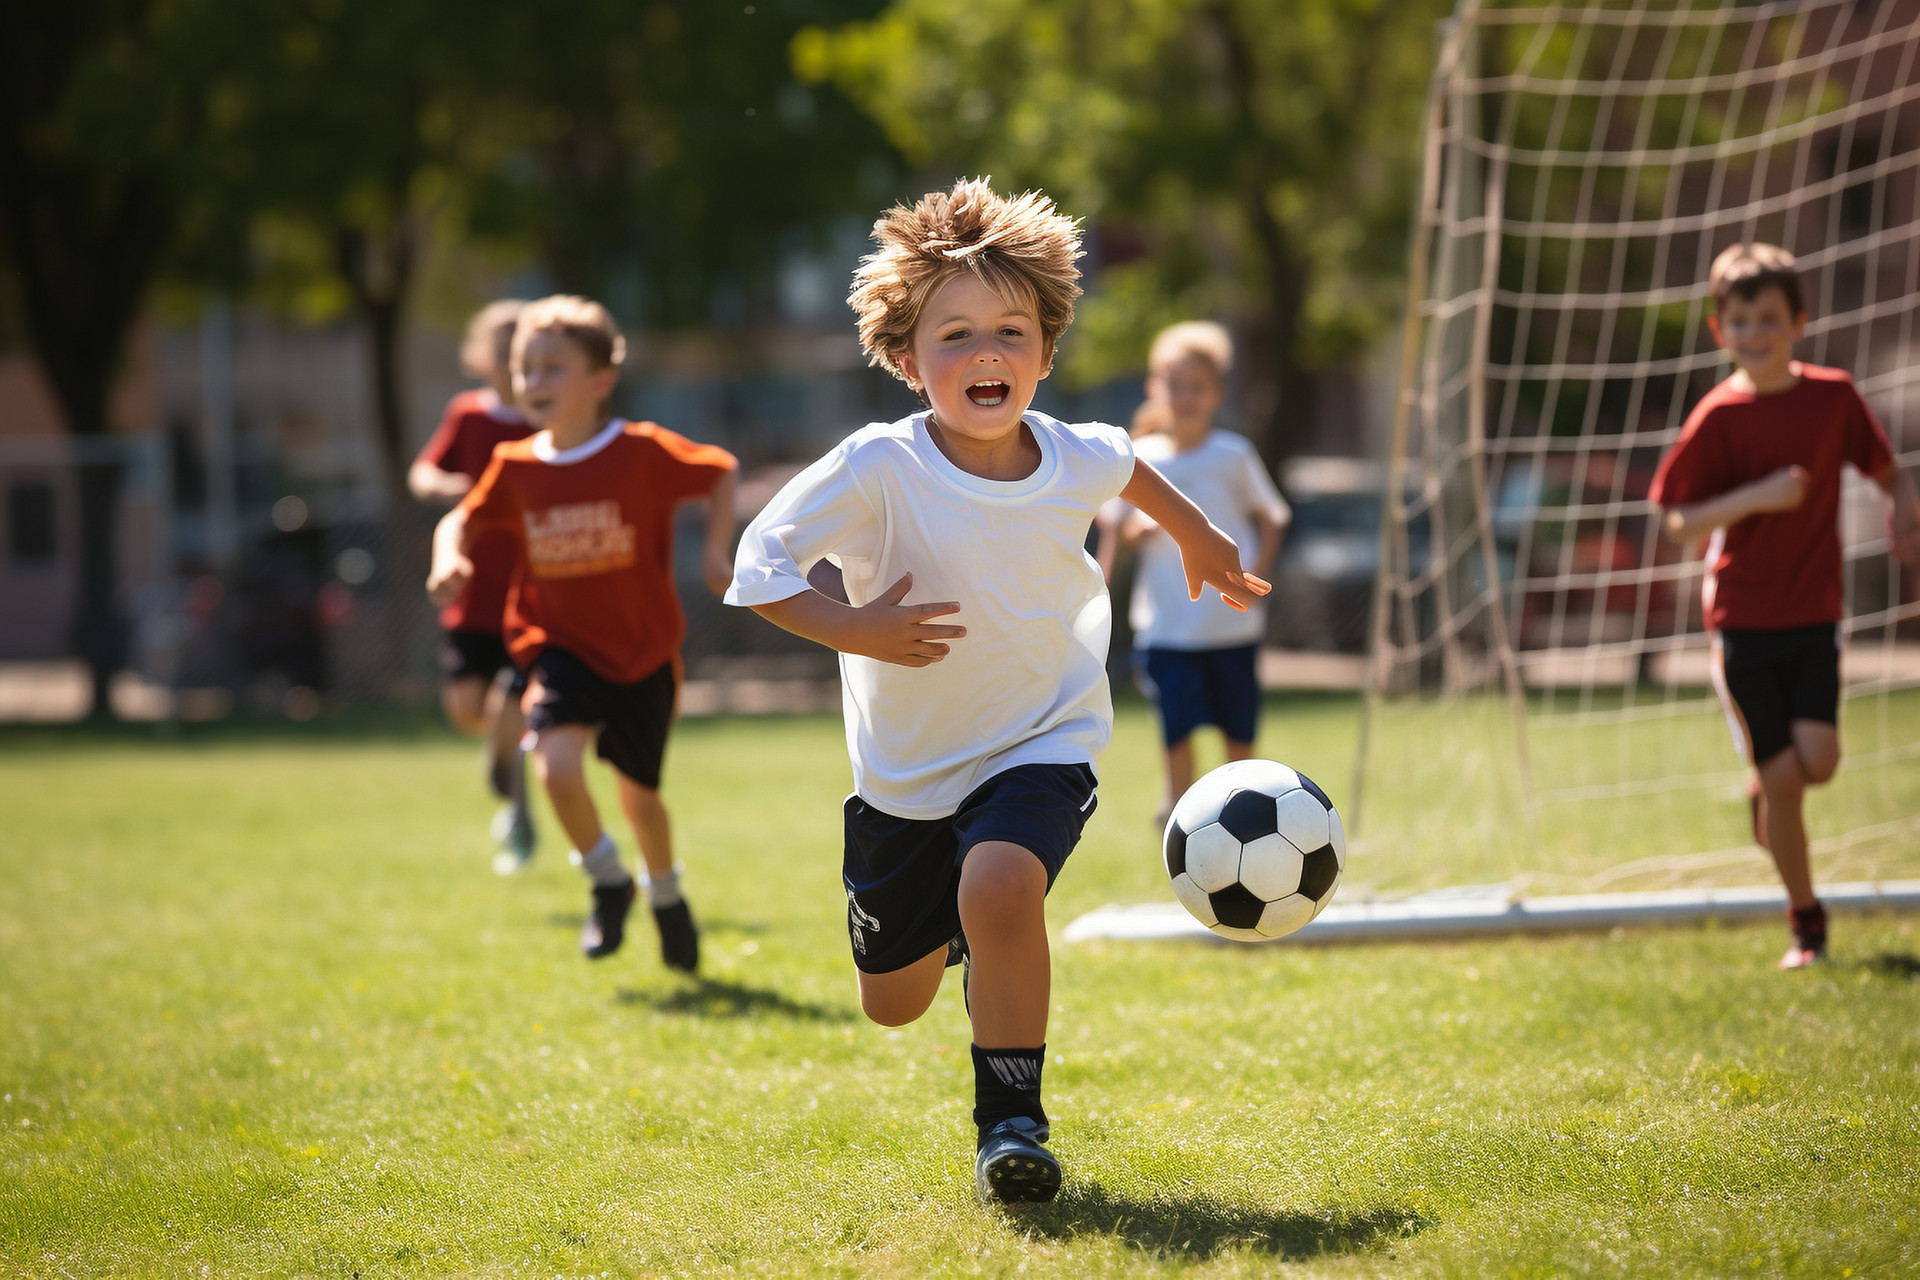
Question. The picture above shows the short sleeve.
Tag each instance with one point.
(1257, 493)
(440, 443)
(822, 511)
(1110, 449)
(491, 503)
(690, 470)
(1867, 446)
(1692, 471)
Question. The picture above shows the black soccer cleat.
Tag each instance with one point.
(606, 926)
(1014, 1165)
(679, 936)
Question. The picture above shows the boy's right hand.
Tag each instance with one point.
(1783, 490)
(445, 583)
(886, 630)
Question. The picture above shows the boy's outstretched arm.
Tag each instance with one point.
(1781, 490)
(1209, 556)
(1903, 522)
(451, 569)
(882, 628)
(716, 558)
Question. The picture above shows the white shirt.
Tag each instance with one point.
(1027, 684)
(1224, 477)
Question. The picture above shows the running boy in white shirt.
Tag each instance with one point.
(1198, 662)
(973, 634)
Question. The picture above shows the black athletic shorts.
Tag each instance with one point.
(632, 718)
(1193, 687)
(477, 655)
(902, 875)
(1773, 678)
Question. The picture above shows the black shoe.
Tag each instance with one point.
(1014, 1165)
(679, 936)
(607, 926)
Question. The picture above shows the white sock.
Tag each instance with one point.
(602, 862)
(664, 891)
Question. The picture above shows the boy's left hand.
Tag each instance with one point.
(1903, 531)
(1212, 560)
(717, 567)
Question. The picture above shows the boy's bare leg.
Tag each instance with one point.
(1003, 899)
(505, 724)
(1239, 750)
(560, 757)
(1784, 779)
(1179, 772)
(897, 998)
(651, 825)
(464, 702)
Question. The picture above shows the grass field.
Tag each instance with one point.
(265, 1011)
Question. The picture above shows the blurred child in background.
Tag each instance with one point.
(479, 686)
(1197, 662)
(593, 616)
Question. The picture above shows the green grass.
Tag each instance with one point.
(264, 1011)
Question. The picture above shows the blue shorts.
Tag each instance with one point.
(902, 875)
(1193, 687)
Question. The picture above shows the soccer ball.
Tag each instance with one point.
(1255, 850)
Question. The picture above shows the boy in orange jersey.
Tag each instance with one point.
(1758, 466)
(479, 686)
(592, 616)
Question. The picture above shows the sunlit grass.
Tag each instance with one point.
(264, 1011)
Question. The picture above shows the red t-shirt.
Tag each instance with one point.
(595, 526)
(1778, 569)
(476, 421)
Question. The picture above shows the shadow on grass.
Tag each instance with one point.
(717, 998)
(1894, 964)
(1199, 1227)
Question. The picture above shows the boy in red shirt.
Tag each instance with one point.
(479, 686)
(592, 615)
(1758, 465)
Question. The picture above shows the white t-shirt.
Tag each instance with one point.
(1224, 477)
(1027, 684)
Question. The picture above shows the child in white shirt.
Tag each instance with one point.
(973, 634)
(1198, 663)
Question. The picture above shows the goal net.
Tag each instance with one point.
(1538, 698)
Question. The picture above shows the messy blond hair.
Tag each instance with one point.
(488, 343)
(1746, 270)
(1020, 248)
(582, 321)
(1202, 338)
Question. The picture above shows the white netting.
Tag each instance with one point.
(1537, 644)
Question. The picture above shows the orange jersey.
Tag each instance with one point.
(476, 421)
(595, 528)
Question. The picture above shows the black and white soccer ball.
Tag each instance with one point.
(1255, 850)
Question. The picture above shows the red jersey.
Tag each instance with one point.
(1777, 569)
(476, 421)
(595, 527)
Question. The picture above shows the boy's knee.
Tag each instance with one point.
(999, 882)
(1820, 766)
(464, 703)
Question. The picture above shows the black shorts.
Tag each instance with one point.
(1193, 687)
(1769, 679)
(902, 875)
(632, 718)
(477, 655)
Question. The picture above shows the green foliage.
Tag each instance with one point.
(254, 1030)
(1259, 155)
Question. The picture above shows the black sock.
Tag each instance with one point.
(1006, 1083)
(1809, 925)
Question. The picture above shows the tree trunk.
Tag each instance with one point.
(1280, 392)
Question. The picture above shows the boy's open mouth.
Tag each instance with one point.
(988, 392)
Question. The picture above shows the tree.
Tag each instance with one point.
(86, 206)
(1247, 158)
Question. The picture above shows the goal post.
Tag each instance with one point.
(1538, 666)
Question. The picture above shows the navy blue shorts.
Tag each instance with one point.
(632, 718)
(1193, 687)
(478, 655)
(902, 875)
(1773, 678)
